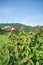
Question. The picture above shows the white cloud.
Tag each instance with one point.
(32, 18)
(35, 20)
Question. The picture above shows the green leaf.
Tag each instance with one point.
(31, 62)
(28, 63)
(37, 63)
(40, 40)
(23, 61)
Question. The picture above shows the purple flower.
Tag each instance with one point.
(12, 29)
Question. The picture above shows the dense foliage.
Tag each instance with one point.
(23, 48)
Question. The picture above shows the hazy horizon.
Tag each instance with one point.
(27, 12)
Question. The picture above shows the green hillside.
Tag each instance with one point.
(17, 26)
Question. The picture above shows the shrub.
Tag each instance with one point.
(23, 49)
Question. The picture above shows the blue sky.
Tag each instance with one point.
(28, 12)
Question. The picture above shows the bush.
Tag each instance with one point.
(23, 49)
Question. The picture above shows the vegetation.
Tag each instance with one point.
(17, 26)
(22, 48)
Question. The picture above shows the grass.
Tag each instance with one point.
(4, 38)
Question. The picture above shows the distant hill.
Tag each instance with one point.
(17, 26)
